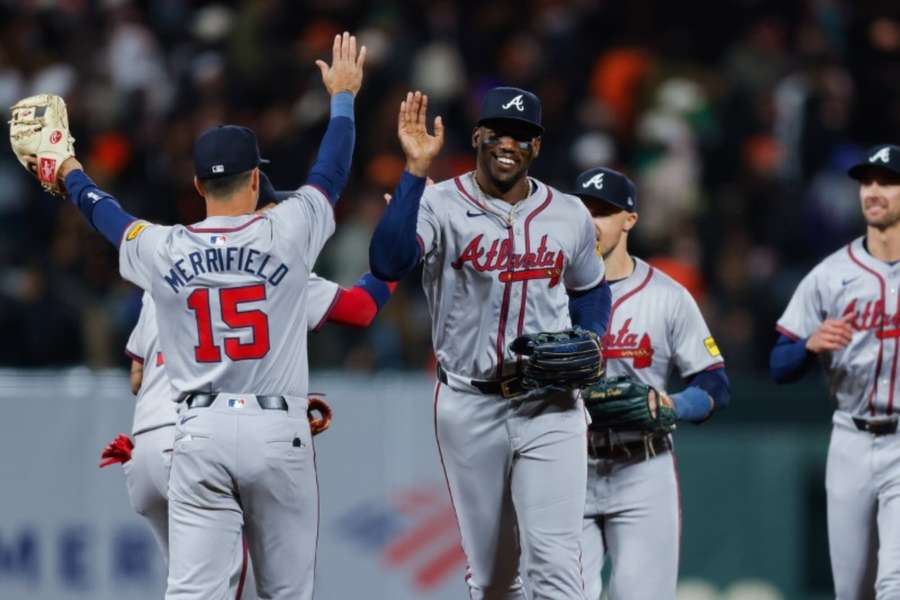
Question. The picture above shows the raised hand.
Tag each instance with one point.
(832, 335)
(346, 70)
(419, 146)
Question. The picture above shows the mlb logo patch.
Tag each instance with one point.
(217, 240)
(236, 403)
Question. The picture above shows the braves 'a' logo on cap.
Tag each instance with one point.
(516, 102)
(596, 181)
(884, 155)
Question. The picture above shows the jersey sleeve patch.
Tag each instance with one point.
(711, 347)
(135, 230)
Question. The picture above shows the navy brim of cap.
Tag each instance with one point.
(858, 171)
(539, 130)
(596, 199)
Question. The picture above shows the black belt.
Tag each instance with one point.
(883, 426)
(202, 400)
(507, 388)
(631, 449)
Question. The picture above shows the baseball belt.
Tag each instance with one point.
(644, 448)
(508, 388)
(882, 426)
(203, 400)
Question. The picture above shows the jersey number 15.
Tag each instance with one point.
(229, 298)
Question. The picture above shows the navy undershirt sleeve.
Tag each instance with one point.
(789, 359)
(692, 403)
(331, 169)
(394, 251)
(590, 309)
(100, 209)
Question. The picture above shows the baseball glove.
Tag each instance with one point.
(40, 127)
(318, 424)
(622, 404)
(117, 451)
(566, 359)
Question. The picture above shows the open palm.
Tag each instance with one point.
(419, 146)
(346, 71)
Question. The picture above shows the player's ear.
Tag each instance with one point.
(630, 221)
(535, 147)
(198, 185)
(254, 180)
(476, 137)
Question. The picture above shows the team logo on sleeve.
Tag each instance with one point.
(627, 345)
(543, 264)
(135, 230)
(711, 347)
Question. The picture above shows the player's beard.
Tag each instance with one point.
(503, 180)
(884, 219)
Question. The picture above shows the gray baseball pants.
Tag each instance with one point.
(147, 479)
(237, 467)
(632, 517)
(862, 483)
(516, 473)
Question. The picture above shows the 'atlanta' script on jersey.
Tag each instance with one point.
(625, 345)
(543, 264)
(873, 316)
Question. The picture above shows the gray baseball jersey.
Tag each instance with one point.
(655, 326)
(234, 293)
(862, 474)
(862, 378)
(632, 504)
(516, 470)
(494, 271)
(155, 405)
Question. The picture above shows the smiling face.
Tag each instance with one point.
(505, 150)
(879, 196)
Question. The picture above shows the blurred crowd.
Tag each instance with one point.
(737, 120)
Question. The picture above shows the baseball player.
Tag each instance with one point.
(147, 466)
(655, 327)
(845, 314)
(504, 254)
(233, 291)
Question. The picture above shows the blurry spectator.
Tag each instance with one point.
(738, 129)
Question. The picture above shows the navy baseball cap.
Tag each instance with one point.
(511, 104)
(609, 186)
(885, 157)
(225, 150)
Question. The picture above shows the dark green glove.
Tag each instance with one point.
(622, 404)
